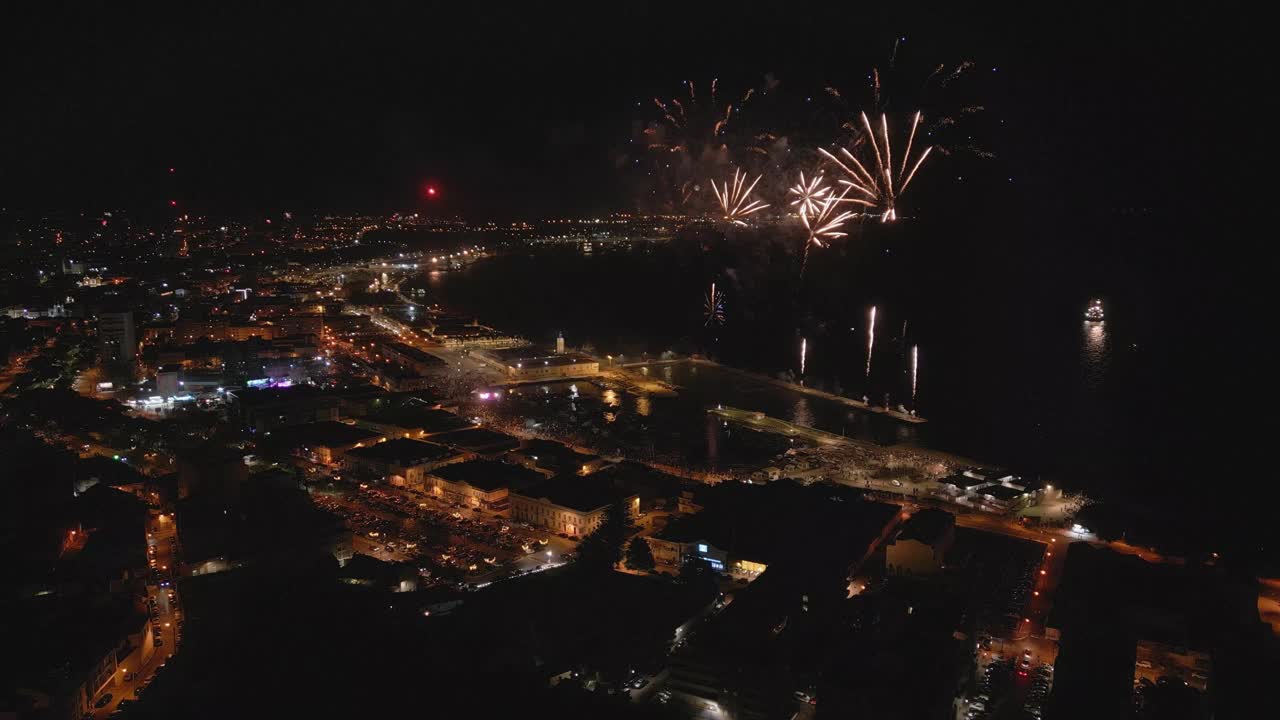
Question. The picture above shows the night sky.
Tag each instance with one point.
(523, 113)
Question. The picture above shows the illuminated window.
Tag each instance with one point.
(702, 547)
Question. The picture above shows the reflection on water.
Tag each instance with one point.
(676, 428)
(1096, 353)
(802, 414)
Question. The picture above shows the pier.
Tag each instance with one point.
(796, 387)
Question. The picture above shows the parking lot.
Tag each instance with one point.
(449, 543)
(1009, 686)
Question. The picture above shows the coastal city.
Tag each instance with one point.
(338, 379)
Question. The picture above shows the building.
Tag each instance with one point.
(524, 368)
(407, 356)
(921, 547)
(993, 490)
(302, 324)
(457, 336)
(117, 335)
(480, 483)
(327, 441)
(370, 572)
(415, 419)
(269, 408)
(1001, 497)
(552, 458)
(402, 462)
(743, 529)
(211, 473)
(569, 504)
(481, 441)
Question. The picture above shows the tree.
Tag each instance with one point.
(639, 555)
(602, 549)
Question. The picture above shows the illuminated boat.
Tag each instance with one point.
(1095, 313)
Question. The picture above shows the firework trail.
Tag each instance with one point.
(879, 190)
(915, 369)
(713, 307)
(735, 199)
(960, 70)
(871, 339)
(804, 350)
(895, 86)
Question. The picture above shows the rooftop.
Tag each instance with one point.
(583, 494)
(268, 396)
(416, 416)
(927, 526)
(782, 521)
(403, 451)
(1002, 492)
(553, 455)
(479, 440)
(328, 433)
(533, 357)
(415, 354)
(964, 481)
(488, 475)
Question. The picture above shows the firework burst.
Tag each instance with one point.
(823, 222)
(735, 198)
(713, 307)
(809, 193)
(879, 191)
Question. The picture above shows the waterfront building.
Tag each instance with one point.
(569, 504)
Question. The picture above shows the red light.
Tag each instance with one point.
(172, 170)
(173, 203)
(104, 224)
(431, 191)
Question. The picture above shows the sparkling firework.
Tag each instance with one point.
(871, 339)
(823, 223)
(713, 307)
(809, 192)
(915, 369)
(735, 199)
(879, 190)
(804, 350)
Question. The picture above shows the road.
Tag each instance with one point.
(142, 662)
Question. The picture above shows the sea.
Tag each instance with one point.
(1006, 369)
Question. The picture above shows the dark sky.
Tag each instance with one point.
(521, 112)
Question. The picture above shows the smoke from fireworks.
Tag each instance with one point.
(735, 199)
(713, 307)
(871, 339)
(879, 190)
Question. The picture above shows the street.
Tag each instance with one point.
(164, 607)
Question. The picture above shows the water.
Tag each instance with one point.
(1007, 374)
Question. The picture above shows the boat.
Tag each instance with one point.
(1094, 313)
